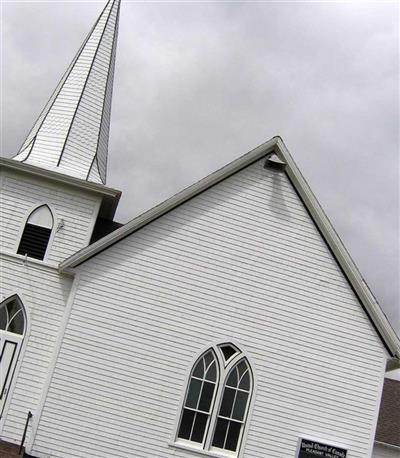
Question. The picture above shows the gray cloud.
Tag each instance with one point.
(199, 84)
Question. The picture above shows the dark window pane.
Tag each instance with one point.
(245, 382)
(208, 358)
(220, 433)
(193, 393)
(212, 372)
(17, 324)
(199, 369)
(199, 427)
(186, 424)
(232, 379)
(12, 307)
(242, 367)
(227, 402)
(206, 396)
(233, 436)
(3, 318)
(240, 405)
(228, 351)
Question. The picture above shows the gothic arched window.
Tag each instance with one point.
(199, 398)
(36, 235)
(217, 401)
(12, 316)
(12, 330)
(233, 407)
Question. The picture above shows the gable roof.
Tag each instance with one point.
(70, 136)
(282, 160)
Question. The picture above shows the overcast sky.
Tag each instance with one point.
(199, 84)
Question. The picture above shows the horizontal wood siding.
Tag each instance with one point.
(44, 293)
(240, 261)
(20, 193)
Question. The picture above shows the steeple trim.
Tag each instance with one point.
(71, 134)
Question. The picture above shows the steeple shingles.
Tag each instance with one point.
(71, 134)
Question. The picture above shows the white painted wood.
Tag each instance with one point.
(22, 194)
(10, 346)
(241, 260)
(276, 147)
(53, 361)
(43, 292)
(44, 289)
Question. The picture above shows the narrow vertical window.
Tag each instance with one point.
(199, 399)
(12, 330)
(233, 408)
(36, 234)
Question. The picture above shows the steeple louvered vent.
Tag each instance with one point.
(36, 235)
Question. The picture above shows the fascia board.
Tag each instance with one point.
(59, 177)
(276, 145)
(339, 251)
(169, 204)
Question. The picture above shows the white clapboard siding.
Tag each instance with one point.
(43, 292)
(20, 194)
(241, 261)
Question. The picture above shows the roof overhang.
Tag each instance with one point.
(277, 146)
(110, 196)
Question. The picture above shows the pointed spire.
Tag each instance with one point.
(71, 134)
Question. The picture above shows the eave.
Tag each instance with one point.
(110, 196)
(277, 146)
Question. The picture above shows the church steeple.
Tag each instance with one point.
(71, 134)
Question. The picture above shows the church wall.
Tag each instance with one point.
(20, 194)
(242, 261)
(44, 293)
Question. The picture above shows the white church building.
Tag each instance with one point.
(229, 321)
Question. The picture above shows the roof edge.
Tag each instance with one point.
(60, 177)
(276, 144)
(167, 205)
(362, 290)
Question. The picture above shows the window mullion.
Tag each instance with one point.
(191, 430)
(215, 410)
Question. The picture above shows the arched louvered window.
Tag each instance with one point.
(36, 235)
(217, 401)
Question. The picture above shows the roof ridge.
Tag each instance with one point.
(275, 145)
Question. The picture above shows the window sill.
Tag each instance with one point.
(198, 451)
(20, 257)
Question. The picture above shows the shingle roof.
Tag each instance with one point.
(71, 134)
(388, 428)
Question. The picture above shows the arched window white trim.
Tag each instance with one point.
(12, 316)
(215, 420)
(35, 237)
(199, 399)
(13, 328)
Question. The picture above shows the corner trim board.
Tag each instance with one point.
(52, 364)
